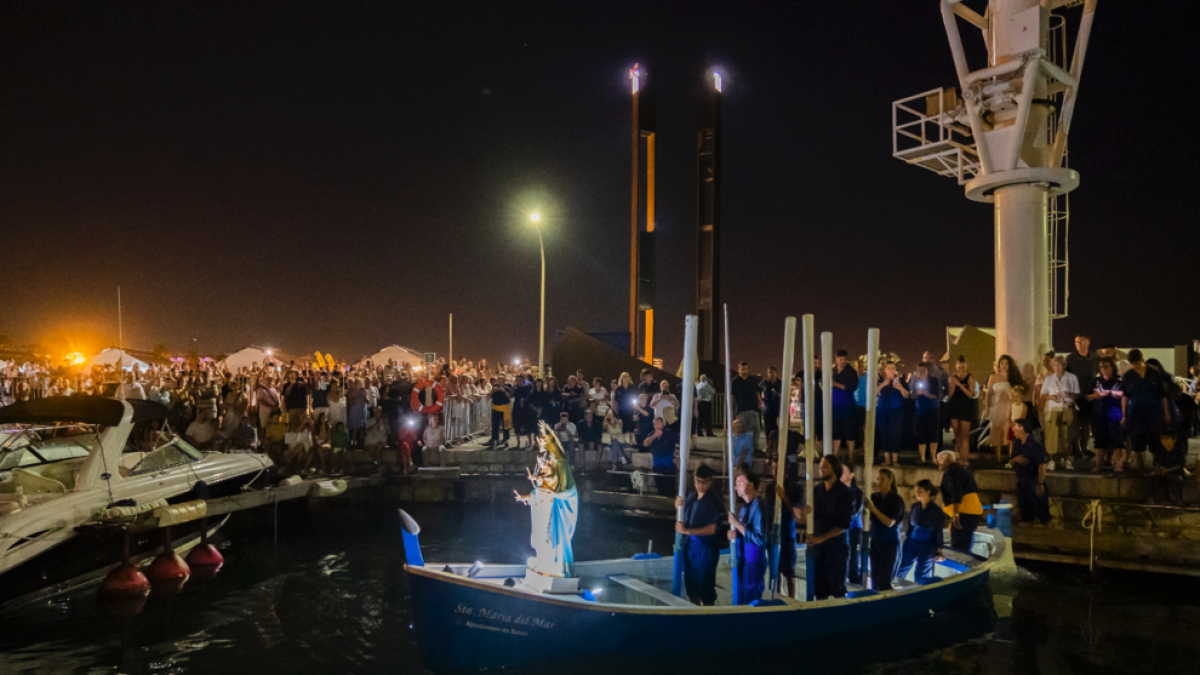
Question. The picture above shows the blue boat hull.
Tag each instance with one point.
(462, 625)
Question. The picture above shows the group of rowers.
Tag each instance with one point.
(833, 545)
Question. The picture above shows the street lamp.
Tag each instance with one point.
(535, 217)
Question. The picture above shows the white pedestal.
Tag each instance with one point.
(551, 585)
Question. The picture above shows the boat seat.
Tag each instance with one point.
(650, 591)
(33, 483)
(965, 559)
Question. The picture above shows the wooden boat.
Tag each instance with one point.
(473, 616)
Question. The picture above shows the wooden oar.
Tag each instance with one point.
(685, 438)
(789, 354)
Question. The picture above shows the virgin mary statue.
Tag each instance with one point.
(554, 508)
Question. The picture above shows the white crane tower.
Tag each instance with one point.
(1003, 134)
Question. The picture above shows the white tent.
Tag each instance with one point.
(112, 356)
(396, 352)
(245, 358)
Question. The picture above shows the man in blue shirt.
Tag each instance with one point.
(1029, 460)
(747, 531)
(662, 450)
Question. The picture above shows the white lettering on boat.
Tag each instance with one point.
(493, 615)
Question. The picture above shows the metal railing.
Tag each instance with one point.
(465, 418)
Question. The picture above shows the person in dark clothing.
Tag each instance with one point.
(1105, 399)
(747, 531)
(889, 413)
(590, 431)
(927, 425)
(702, 511)
(770, 391)
(648, 386)
(924, 540)
(960, 496)
(887, 511)
(574, 399)
(1029, 461)
(829, 542)
(747, 402)
(855, 533)
(1084, 364)
(662, 451)
(500, 398)
(791, 497)
(845, 383)
(1145, 412)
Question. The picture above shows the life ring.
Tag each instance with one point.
(428, 397)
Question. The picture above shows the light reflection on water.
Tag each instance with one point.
(331, 597)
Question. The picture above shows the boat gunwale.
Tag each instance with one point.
(479, 584)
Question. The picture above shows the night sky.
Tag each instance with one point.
(342, 175)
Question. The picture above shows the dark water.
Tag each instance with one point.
(330, 597)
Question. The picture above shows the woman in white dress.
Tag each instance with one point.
(598, 398)
(999, 405)
(337, 405)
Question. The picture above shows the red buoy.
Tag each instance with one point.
(205, 555)
(168, 572)
(124, 580)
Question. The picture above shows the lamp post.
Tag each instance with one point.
(536, 218)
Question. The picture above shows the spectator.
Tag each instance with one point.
(926, 422)
(356, 413)
(1017, 410)
(705, 395)
(320, 396)
(590, 432)
(889, 413)
(1060, 391)
(1105, 399)
(666, 406)
(524, 419)
(648, 386)
(554, 402)
(1045, 369)
(501, 414)
(624, 403)
(339, 444)
(746, 401)
(743, 445)
(375, 436)
(615, 430)
(999, 400)
(860, 407)
(337, 404)
(845, 382)
(295, 396)
(268, 400)
(960, 407)
(568, 437)
(1030, 460)
(434, 439)
(298, 442)
(644, 418)
(1084, 365)
(202, 434)
(598, 398)
(244, 436)
(770, 392)
(936, 371)
(575, 397)
(662, 445)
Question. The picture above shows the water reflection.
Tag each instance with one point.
(331, 597)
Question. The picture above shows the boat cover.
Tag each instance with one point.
(80, 409)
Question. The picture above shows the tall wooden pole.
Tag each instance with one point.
(733, 563)
(869, 442)
(827, 391)
(685, 439)
(810, 443)
(450, 358)
(789, 355)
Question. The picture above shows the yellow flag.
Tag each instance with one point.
(329, 360)
(320, 361)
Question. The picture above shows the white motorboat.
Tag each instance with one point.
(64, 460)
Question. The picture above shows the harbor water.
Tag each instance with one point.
(323, 591)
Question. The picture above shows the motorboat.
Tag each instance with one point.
(67, 461)
(476, 616)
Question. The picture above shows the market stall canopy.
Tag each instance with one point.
(396, 352)
(245, 358)
(113, 356)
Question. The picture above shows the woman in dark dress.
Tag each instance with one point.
(923, 543)
(961, 409)
(539, 399)
(887, 512)
(1106, 417)
(889, 413)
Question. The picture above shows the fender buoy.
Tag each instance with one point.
(428, 397)
(125, 580)
(168, 573)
